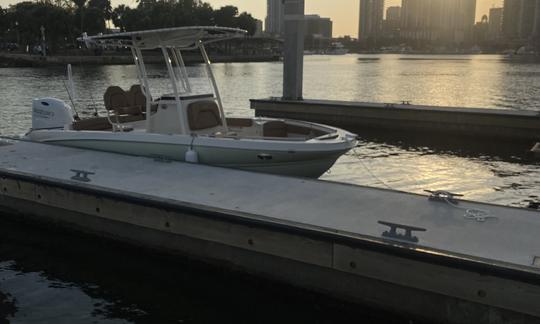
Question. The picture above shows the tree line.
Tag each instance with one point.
(65, 20)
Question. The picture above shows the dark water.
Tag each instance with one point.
(57, 277)
(51, 276)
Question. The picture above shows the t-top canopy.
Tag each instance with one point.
(178, 37)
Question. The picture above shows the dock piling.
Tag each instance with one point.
(293, 57)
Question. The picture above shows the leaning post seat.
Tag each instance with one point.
(203, 115)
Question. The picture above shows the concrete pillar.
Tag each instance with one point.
(293, 57)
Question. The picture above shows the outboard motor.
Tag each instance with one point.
(48, 113)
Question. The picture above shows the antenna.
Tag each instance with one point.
(70, 87)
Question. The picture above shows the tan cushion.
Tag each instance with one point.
(115, 98)
(203, 115)
(137, 97)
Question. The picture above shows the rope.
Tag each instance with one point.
(479, 215)
(355, 154)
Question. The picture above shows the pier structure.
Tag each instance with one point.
(509, 125)
(432, 257)
(506, 125)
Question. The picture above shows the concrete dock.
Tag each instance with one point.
(437, 259)
(510, 125)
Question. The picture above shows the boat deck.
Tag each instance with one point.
(499, 236)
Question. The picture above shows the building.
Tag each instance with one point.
(526, 18)
(393, 13)
(446, 22)
(316, 25)
(371, 19)
(511, 19)
(275, 12)
(392, 22)
(318, 32)
(495, 23)
(520, 19)
(258, 28)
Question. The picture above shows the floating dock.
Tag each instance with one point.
(438, 259)
(511, 125)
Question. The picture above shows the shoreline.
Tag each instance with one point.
(27, 60)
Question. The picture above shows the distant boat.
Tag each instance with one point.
(310, 52)
(337, 49)
(369, 59)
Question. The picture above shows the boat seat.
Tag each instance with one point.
(137, 98)
(275, 128)
(121, 102)
(203, 115)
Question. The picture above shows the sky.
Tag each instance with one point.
(344, 13)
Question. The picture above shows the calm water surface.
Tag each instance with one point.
(70, 288)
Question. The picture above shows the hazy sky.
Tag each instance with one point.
(344, 13)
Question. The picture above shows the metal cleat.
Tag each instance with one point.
(407, 232)
(444, 196)
(81, 175)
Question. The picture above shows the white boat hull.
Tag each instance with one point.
(290, 158)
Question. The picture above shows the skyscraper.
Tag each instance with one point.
(274, 17)
(392, 22)
(526, 18)
(519, 19)
(511, 18)
(393, 13)
(371, 19)
(444, 21)
(316, 25)
(495, 23)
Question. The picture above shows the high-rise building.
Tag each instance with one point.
(444, 21)
(316, 25)
(258, 28)
(318, 32)
(275, 13)
(392, 22)
(495, 23)
(519, 19)
(511, 19)
(393, 13)
(371, 19)
(526, 18)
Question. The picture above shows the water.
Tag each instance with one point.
(40, 275)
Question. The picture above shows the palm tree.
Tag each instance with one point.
(80, 7)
